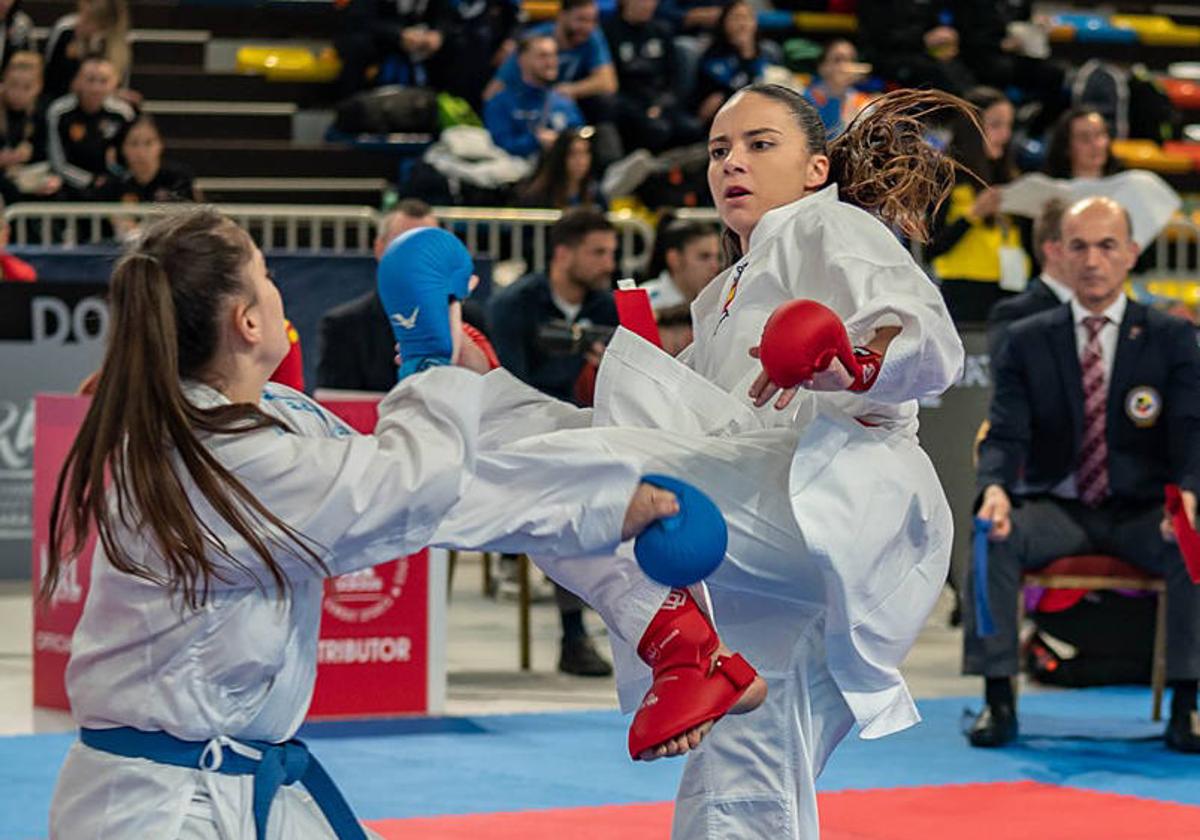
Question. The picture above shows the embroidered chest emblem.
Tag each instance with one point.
(732, 293)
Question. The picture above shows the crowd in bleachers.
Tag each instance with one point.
(635, 81)
(71, 127)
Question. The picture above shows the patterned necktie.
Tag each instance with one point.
(1091, 478)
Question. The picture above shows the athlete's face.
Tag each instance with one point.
(758, 159)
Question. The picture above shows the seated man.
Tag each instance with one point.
(1096, 408)
(577, 289)
(356, 351)
(398, 39)
(688, 255)
(1046, 291)
(649, 112)
(527, 115)
(585, 72)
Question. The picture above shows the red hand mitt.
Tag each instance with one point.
(803, 337)
(1185, 534)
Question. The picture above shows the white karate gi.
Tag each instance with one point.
(839, 532)
(244, 665)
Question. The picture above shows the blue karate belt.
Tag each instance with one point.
(984, 626)
(278, 764)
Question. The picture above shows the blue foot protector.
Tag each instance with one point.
(685, 548)
(419, 274)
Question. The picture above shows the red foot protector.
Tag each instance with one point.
(803, 337)
(678, 645)
(1185, 534)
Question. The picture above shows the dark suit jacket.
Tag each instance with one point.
(357, 349)
(1037, 410)
(1037, 297)
(515, 314)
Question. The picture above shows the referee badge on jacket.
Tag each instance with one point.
(1143, 405)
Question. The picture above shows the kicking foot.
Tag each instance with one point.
(750, 700)
(696, 681)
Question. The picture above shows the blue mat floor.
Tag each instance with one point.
(1099, 739)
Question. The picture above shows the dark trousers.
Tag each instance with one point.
(1045, 529)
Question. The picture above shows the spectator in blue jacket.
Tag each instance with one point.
(527, 115)
(585, 66)
(585, 72)
(733, 61)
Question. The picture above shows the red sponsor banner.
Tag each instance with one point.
(373, 654)
(374, 648)
(56, 420)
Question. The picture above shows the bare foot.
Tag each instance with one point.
(649, 504)
(751, 699)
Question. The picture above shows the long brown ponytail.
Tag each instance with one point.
(882, 162)
(167, 296)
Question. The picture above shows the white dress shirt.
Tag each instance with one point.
(1060, 289)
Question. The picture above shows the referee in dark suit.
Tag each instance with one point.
(1096, 408)
(357, 349)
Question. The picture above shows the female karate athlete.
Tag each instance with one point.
(839, 533)
(221, 502)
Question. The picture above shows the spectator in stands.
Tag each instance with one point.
(649, 114)
(97, 28)
(23, 131)
(356, 347)
(585, 68)
(1049, 289)
(577, 289)
(689, 15)
(733, 61)
(915, 44)
(1080, 146)
(585, 71)
(527, 115)
(85, 129)
(146, 178)
(687, 255)
(564, 177)
(996, 57)
(833, 93)
(1096, 407)
(16, 31)
(976, 251)
(479, 36)
(388, 42)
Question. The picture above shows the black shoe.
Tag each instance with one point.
(1183, 733)
(580, 657)
(995, 727)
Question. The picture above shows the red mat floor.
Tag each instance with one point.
(997, 811)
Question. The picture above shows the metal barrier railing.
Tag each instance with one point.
(500, 233)
(272, 226)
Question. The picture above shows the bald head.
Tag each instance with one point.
(401, 221)
(1099, 250)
